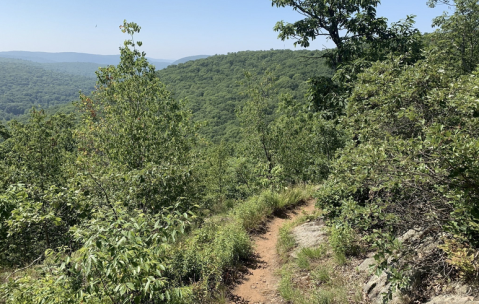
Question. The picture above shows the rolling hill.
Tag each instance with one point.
(45, 57)
(211, 84)
(24, 84)
(70, 62)
(213, 90)
(190, 58)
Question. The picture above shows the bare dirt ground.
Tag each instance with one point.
(259, 283)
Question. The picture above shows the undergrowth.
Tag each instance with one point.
(198, 267)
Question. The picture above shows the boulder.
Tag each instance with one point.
(309, 235)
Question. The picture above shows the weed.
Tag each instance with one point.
(330, 296)
(292, 196)
(286, 241)
(340, 258)
(286, 288)
(324, 297)
(342, 239)
(303, 261)
(314, 253)
(322, 274)
(256, 209)
(306, 255)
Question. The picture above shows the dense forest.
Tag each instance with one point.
(149, 193)
(24, 85)
(214, 86)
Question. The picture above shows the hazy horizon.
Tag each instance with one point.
(170, 31)
(166, 59)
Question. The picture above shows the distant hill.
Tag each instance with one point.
(91, 61)
(212, 85)
(190, 58)
(24, 84)
(44, 57)
(35, 79)
(159, 65)
(86, 69)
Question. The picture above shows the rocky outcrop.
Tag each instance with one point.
(377, 286)
(308, 235)
(421, 244)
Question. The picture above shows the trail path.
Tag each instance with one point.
(260, 284)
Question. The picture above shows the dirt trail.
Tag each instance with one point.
(260, 284)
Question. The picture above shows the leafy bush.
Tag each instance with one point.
(462, 257)
(413, 160)
(123, 258)
(342, 239)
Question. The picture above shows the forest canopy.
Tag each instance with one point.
(24, 85)
(213, 88)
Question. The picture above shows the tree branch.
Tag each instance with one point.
(21, 269)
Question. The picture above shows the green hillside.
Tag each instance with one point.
(213, 87)
(24, 85)
(85, 69)
(189, 58)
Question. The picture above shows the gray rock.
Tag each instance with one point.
(461, 289)
(365, 265)
(411, 236)
(377, 286)
(308, 235)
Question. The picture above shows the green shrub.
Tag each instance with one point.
(342, 239)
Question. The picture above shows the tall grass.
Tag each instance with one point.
(254, 211)
(202, 261)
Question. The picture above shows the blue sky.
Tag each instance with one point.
(171, 29)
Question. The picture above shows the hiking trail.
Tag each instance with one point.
(260, 284)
